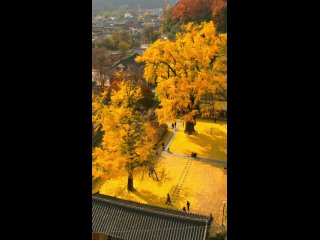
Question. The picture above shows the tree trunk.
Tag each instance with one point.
(189, 128)
(130, 183)
(156, 175)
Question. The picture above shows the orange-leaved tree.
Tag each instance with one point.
(201, 10)
(219, 13)
(189, 72)
(192, 10)
(128, 137)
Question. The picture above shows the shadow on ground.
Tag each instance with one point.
(152, 198)
(215, 143)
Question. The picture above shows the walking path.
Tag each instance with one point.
(207, 160)
(172, 135)
(171, 138)
(176, 190)
(183, 176)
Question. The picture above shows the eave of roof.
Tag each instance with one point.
(131, 220)
(166, 212)
(128, 60)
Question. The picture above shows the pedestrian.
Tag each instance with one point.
(188, 205)
(162, 146)
(215, 119)
(172, 125)
(168, 199)
(184, 209)
(175, 125)
(211, 218)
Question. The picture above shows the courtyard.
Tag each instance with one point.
(209, 141)
(201, 181)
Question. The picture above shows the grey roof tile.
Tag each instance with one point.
(130, 220)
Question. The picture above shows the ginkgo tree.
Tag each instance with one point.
(188, 71)
(98, 103)
(128, 136)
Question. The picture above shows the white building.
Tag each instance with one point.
(127, 15)
(98, 78)
(99, 17)
(144, 46)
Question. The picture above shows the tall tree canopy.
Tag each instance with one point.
(195, 11)
(188, 71)
(129, 138)
(192, 10)
(219, 13)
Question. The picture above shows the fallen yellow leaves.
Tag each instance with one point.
(209, 140)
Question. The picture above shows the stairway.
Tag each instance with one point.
(181, 181)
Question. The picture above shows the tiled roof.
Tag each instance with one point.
(130, 220)
(139, 51)
(129, 61)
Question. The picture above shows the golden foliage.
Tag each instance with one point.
(128, 139)
(187, 69)
(97, 107)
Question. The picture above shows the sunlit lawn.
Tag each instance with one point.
(204, 186)
(205, 142)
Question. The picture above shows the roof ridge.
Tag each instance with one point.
(125, 58)
(147, 208)
(129, 56)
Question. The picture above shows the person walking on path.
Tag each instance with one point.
(162, 146)
(168, 199)
(188, 206)
(172, 125)
(175, 124)
(184, 209)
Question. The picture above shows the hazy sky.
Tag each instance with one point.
(103, 4)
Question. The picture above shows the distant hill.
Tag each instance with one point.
(102, 5)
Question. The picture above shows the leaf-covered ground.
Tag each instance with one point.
(203, 184)
(209, 140)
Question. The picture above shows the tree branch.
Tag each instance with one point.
(174, 72)
(172, 57)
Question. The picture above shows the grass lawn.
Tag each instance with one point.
(205, 186)
(207, 143)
